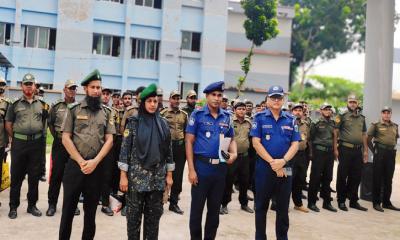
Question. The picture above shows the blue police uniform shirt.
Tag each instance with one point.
(276, 136)
(207, 129)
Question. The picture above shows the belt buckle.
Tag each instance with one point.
(214, 161)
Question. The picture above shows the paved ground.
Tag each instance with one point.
(352, 225)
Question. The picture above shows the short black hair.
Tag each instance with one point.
(127, 93)
(139, 90)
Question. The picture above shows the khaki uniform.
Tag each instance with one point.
(240, 169)
(28, 121)
(4, 105)
(351, 127)
(59, 155)
(322, 165)
(88, 131)
(300, 162)
(130, 111)
(385, 137)
(177, 121)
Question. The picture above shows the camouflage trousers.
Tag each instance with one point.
(149, 205)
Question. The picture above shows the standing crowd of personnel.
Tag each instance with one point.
(99, 150)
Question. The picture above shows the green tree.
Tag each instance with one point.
(260, 25)
(320, 89)
(323, 28)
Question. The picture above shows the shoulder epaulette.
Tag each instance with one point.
(73, 105)
(15, 101)
(58, 102)
(163, 110)
(185, 112)
(7, 100)
(107, 107)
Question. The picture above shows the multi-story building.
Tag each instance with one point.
(178, 44)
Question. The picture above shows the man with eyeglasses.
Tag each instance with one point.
(207, 172)
(4, 105)
(276, 139)
(59, 156)
(240, 167)
(25, 121)
(351, 135)
(177, 120)
(191, 98)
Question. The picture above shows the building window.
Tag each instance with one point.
(149, 3)
(145, 49)
(39, 37)
(191, 41)
(185, 87)
(117, 1)
(5, 33)
(106, 45)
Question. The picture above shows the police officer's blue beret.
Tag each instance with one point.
(216, 86)
(93, 76)
(275, 90)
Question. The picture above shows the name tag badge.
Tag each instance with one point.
(267, 137)
(208, 134)
(82, 117)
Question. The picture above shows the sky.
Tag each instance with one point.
(351, 65)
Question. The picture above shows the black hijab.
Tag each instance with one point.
(150, 136)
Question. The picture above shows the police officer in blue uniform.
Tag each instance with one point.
(275, 139)
(207, 171)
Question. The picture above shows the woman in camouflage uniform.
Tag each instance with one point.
(146, 166)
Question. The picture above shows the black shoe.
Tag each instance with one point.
(107, 211)
(313, 207)
(378, 207)
(391, 207)
(43, 178)
(13, 213)
(328, 206)
(342, 206)
(175, 208)
(250, 198)
(357, 206)
(34, 211)
(246, 209)
(77, 211)
(123, 212)
(223, 210)
(51, 210)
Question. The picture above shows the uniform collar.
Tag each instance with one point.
(207, 110)
(34, 99)
(84, 103)
(384, 123)
(172, 110)
(281, 113)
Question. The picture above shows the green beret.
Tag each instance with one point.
(151, 89)
(95, 75)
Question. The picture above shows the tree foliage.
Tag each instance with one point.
(320, 89)
(323, 28)
(261, 25)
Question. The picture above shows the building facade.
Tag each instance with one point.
(176, 44)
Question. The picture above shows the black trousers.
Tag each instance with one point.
(43, 157)
(108, 172)
(25, 160)
(384, 165)
(144, 204)
(116, 172)
(75, 183)
(59, 157)
(210, 189)
(321, 172)
(349, 173)
(178, 152)
(238, 170)
(299, 166)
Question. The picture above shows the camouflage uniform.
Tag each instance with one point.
(145, 187)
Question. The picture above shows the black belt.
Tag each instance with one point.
(212, 161)
(178, 142)
(323, 148)
(384, 146)
(351, 145)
